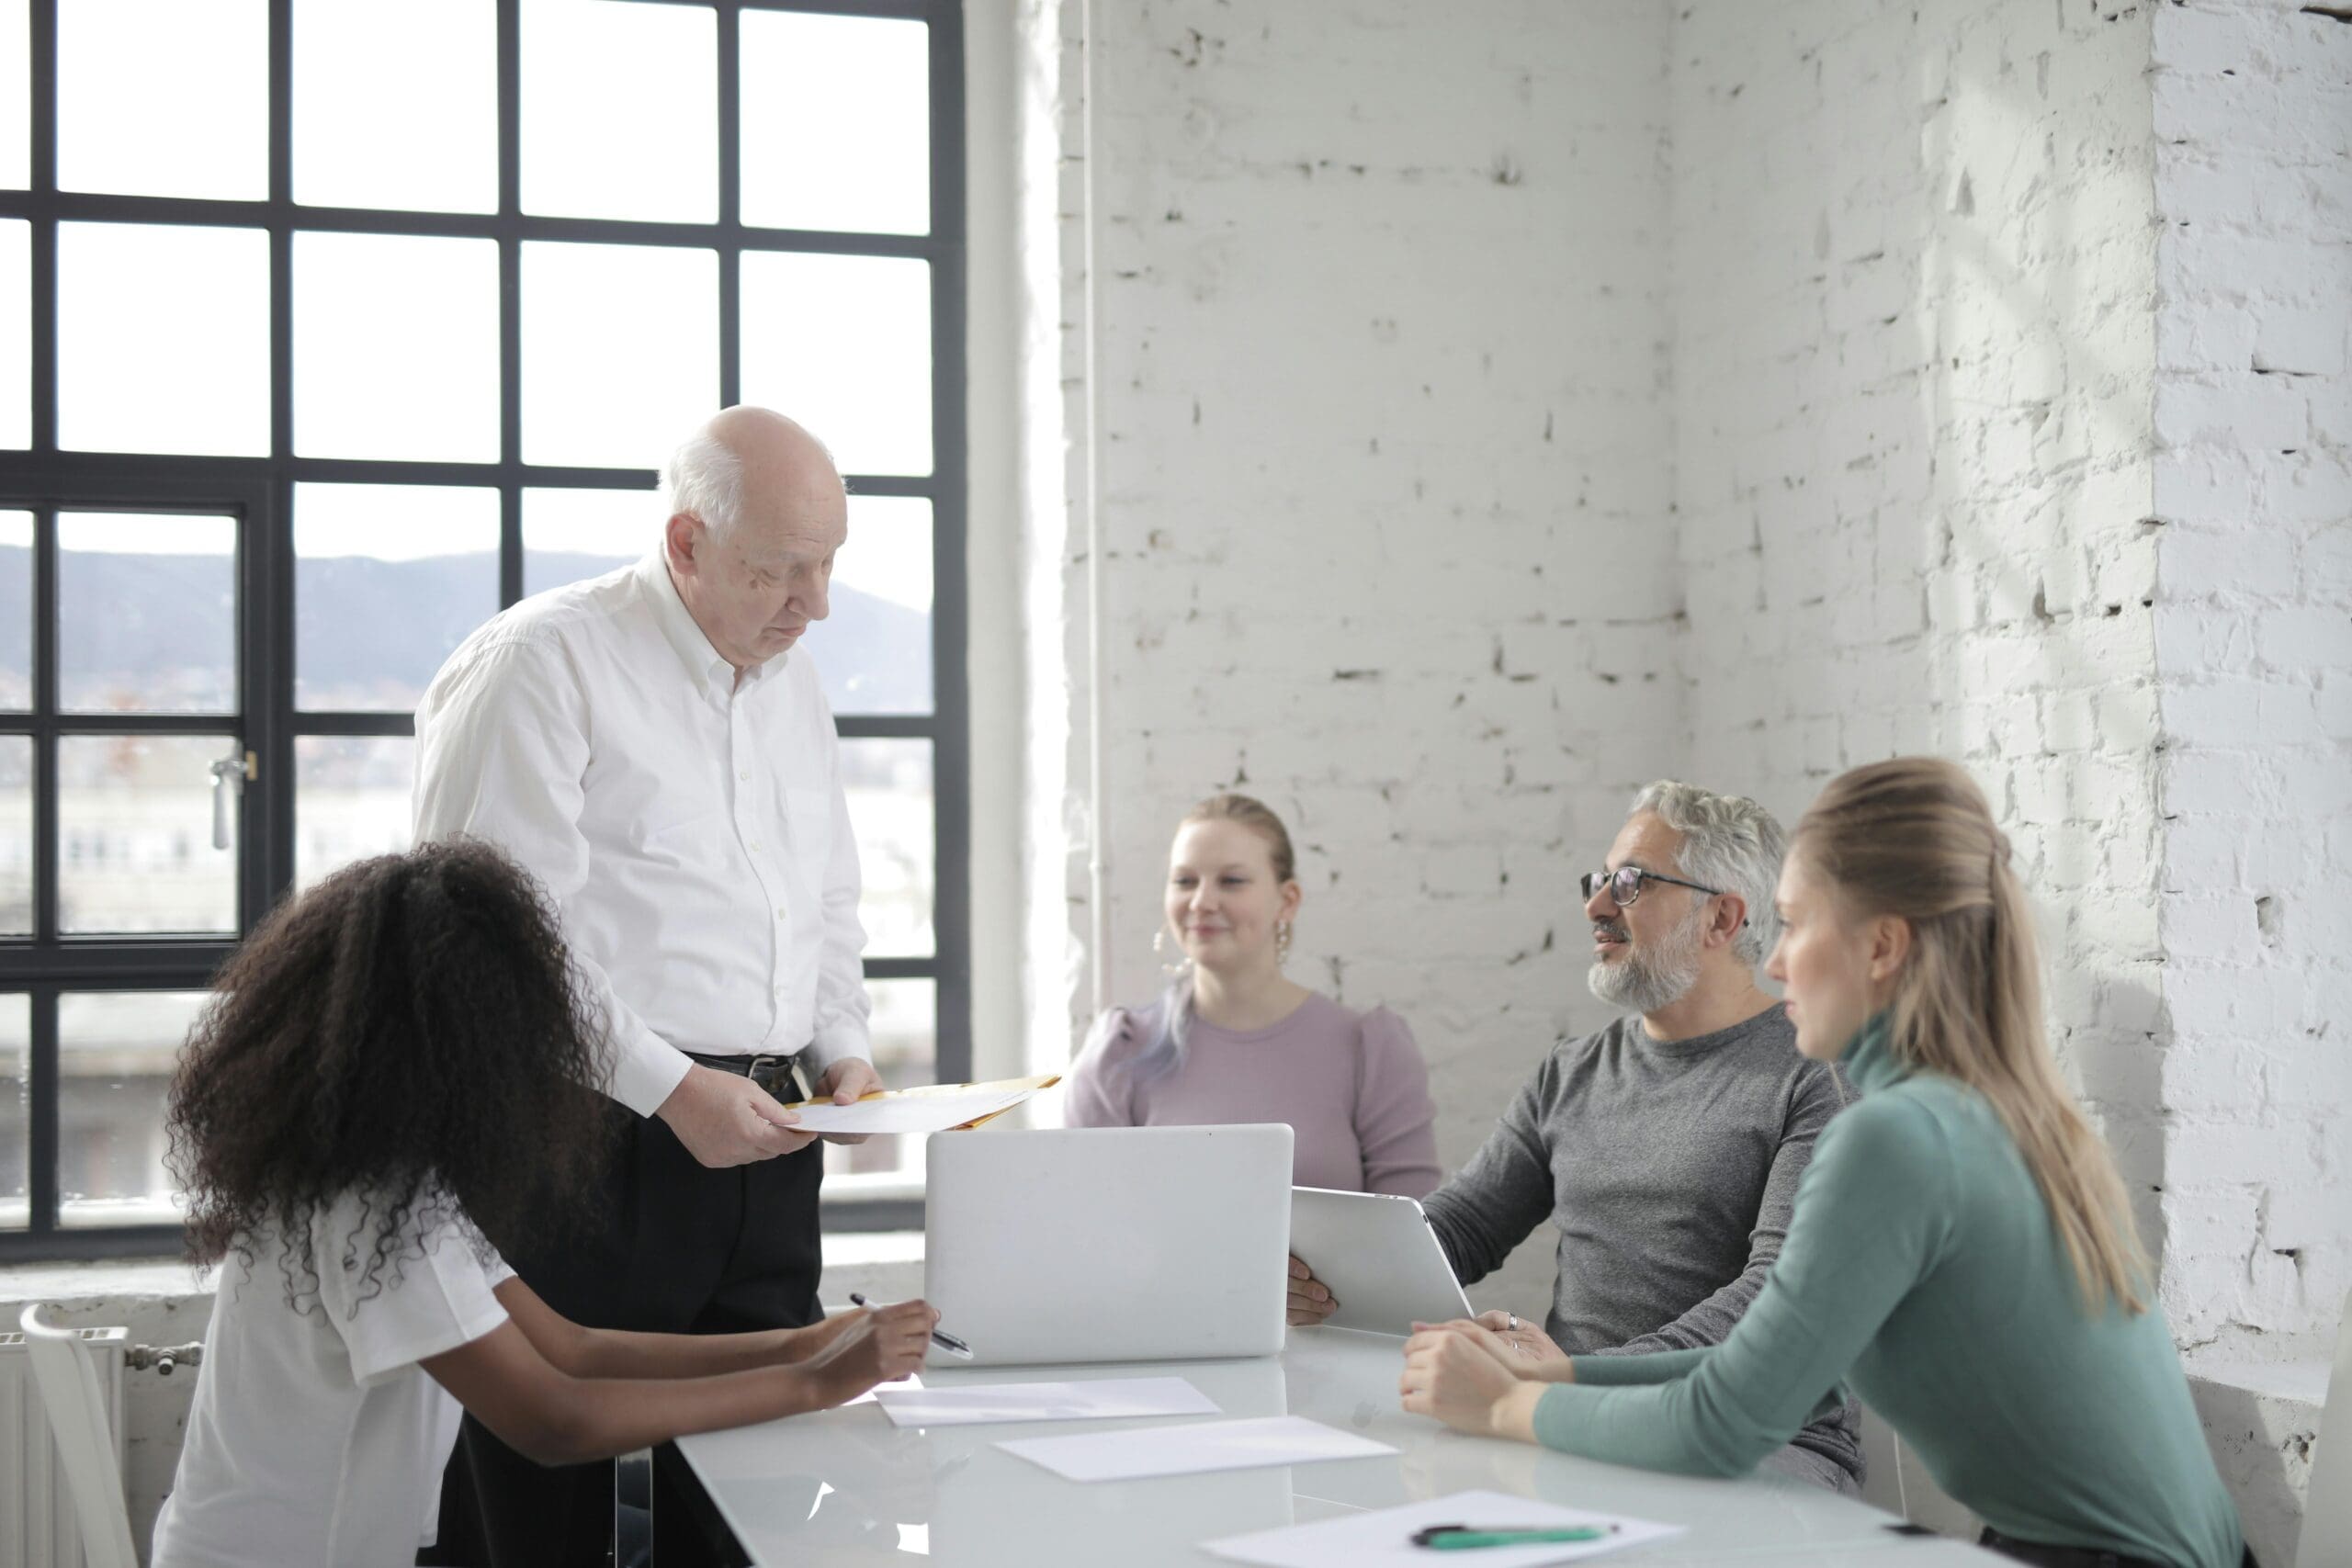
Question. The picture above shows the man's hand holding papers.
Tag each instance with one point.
(936, 1107)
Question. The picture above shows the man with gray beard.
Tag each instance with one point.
(1666, 1148)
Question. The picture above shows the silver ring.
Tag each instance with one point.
(1514, 1321)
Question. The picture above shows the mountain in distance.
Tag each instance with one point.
(371, 633)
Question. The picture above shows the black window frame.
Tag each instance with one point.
(259, 492)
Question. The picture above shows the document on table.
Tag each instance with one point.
(911, 1381)
(935, 1108)
(1189, 1450)
(973, 1405)
(1383, 1538)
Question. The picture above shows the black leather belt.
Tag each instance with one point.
(772, 1073)
(2059, 1556)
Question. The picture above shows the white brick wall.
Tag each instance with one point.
(1981, 449)
(2253, 436)
(1913, 273)
(1383, 434)
(1501, 404)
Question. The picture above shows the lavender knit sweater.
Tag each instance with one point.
(1351, 1085)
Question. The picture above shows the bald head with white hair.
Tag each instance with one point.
(756, 513)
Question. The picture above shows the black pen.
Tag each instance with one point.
(947, 1342)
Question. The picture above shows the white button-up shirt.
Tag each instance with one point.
(691, 828)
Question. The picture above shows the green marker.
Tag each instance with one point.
(1462, 1538)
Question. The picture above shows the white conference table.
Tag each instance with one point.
(846, 1489)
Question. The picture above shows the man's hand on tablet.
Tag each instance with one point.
(1311, 1299)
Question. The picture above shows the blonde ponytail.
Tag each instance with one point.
(1914, 838)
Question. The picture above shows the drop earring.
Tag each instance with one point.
(1182, 963)
(1281, 943)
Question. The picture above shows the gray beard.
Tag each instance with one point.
(1645, 982)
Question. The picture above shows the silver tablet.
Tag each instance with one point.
(1378, 1256)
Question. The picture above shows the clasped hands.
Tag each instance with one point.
(1482, 1375)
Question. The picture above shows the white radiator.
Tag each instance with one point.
(38, 1529)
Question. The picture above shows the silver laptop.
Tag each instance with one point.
(1108, 1244)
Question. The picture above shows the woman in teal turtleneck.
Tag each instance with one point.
(1961, 1251)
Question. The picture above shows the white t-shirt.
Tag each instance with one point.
(315, 1436)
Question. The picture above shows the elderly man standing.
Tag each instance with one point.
(1666, 1148)
(653, 748)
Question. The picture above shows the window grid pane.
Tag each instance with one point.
(162, 343)
(351, 800)
(619, 110)
(620, 351)
(363, 65)
(135, 828)
(570, 536)
(15, 1110)
(888, 786)
(395, 347)
(15, 835)
(387, 580)
(874, 649)
(844, 342)
(906, 1052)
(147, 612)
(116, 1051)
(163, 339)
(16, 610)
(16, 334)
(836, 123)
(16, 87)
(163, 97)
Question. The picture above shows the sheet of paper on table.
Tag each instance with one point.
(935, 1108)
(1383, 1538)
(911, 1381)
(972, 1405)
(1189, 1451)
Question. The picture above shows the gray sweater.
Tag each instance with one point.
(1669, 1169)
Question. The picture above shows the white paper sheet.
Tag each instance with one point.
(972, 1405)
(929, 1112)
(910, 1381)
(1189, 1450)
(1383, 1538)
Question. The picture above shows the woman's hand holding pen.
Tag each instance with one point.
(1455, 1373)
(878, 1344)
(800, 1343)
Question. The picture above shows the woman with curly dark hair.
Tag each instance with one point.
(389, 1083)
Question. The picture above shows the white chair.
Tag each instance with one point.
(1899, 1483)
(69, 1393)
(2327, 1501)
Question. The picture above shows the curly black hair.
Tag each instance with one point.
(408, 1030)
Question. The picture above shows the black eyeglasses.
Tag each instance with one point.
(1625, 884)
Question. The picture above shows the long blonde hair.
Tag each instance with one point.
(1914, 838)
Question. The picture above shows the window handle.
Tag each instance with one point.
(228, 776)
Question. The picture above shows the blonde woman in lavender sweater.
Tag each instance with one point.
(1234, 1038)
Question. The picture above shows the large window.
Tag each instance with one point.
(330, 327)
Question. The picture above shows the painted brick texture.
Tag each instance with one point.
(1382, 364)
(1914, 262)
(2253, 444)
(1501, 404)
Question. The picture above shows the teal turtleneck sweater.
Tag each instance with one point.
(1921, 1266)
